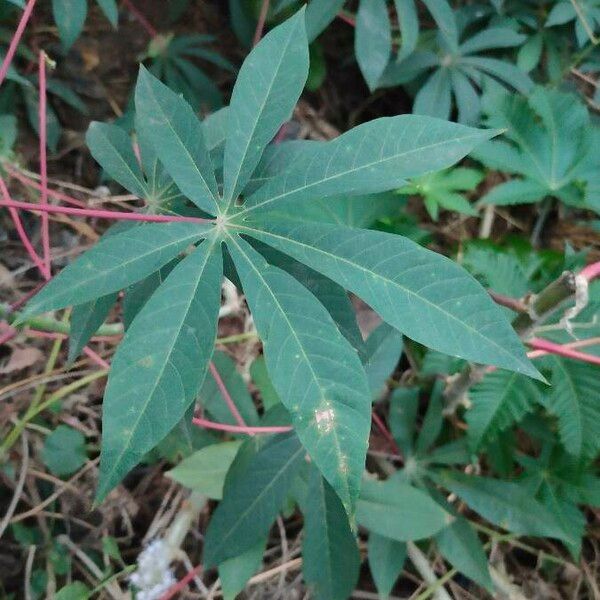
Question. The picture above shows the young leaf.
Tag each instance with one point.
(497, 402)
(574, 400)
(315, 371)
(252, 498)
(461, 547)
(373, 157)
(505, 504)
(159, 367)
(386, 560)
(177, 136)
(373, 39)
(399, 511)
(205, 470)
(331, 560)
(422, 294)
(85, 320)
(140, 250)
(265, 93)
(112, 148)
(69, 16)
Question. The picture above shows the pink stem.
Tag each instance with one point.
(21, 231)
(385, 432)
(14, 42)
(95, 357)
(102, 214)
(238, 428)
(591, 271)
(260, 25)
(51, 335)
(8, 335)
(347, 19)
(563, 350)
(180, 585)
(15, 305)
(34, 184)
(141, 18)
(226, 395)
(44, 163)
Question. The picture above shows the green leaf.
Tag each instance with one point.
(260, 377)
(404, 404)
(211, 398)
(434, 98)
(235, 572)
(204, 471)
(69, 16)
(504, 504)
(177, 136)
(399, 511)
(383, 351)
(330, 556)
(74, 591)
(319, 14)
(443, 15)
(112, 148)
(386, 561)
(158, 368)
(85, 320)
(373, 157)
(265, 93)
(64, 451)
(408, 21)
(110, 9)
(373, 39)
(515, 191)
(315, 371)
(252, 497)
(422, 294)
(497, 402)
(574, 399)
(461, 547)
(114, 263)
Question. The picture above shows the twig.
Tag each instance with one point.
(28, 571)
(44, 163)
(226, 395)
(19, 487)
(421, 564)
(16, 38)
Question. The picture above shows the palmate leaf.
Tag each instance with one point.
(315, 371)
(116, 262)
(267, 89)
(158, 369)
(408, 286)
(330, 556)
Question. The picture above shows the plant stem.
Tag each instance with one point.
(44, 164)
(561, 350)
(419, 560)
(16, 38)
(238, 428)
(102, 214)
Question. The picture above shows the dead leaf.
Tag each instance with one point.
(21, 358)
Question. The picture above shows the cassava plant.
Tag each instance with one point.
(247, 221)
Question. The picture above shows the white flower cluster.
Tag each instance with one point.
(154, 575)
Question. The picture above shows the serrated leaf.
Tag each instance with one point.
(386, 560)
(373, 157)
(159, 367)
(253, 496)
(265, 93)
(85, 320)
(574, 399)
(461, 547)
(422, 294)
(315, 371)
(399, 511)
(204, 471)
(112, 148)
(372, 39)
(140, 251)
(178, 139)
(505, 504)
(497, 402)
(330, 556)
(69, 16)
